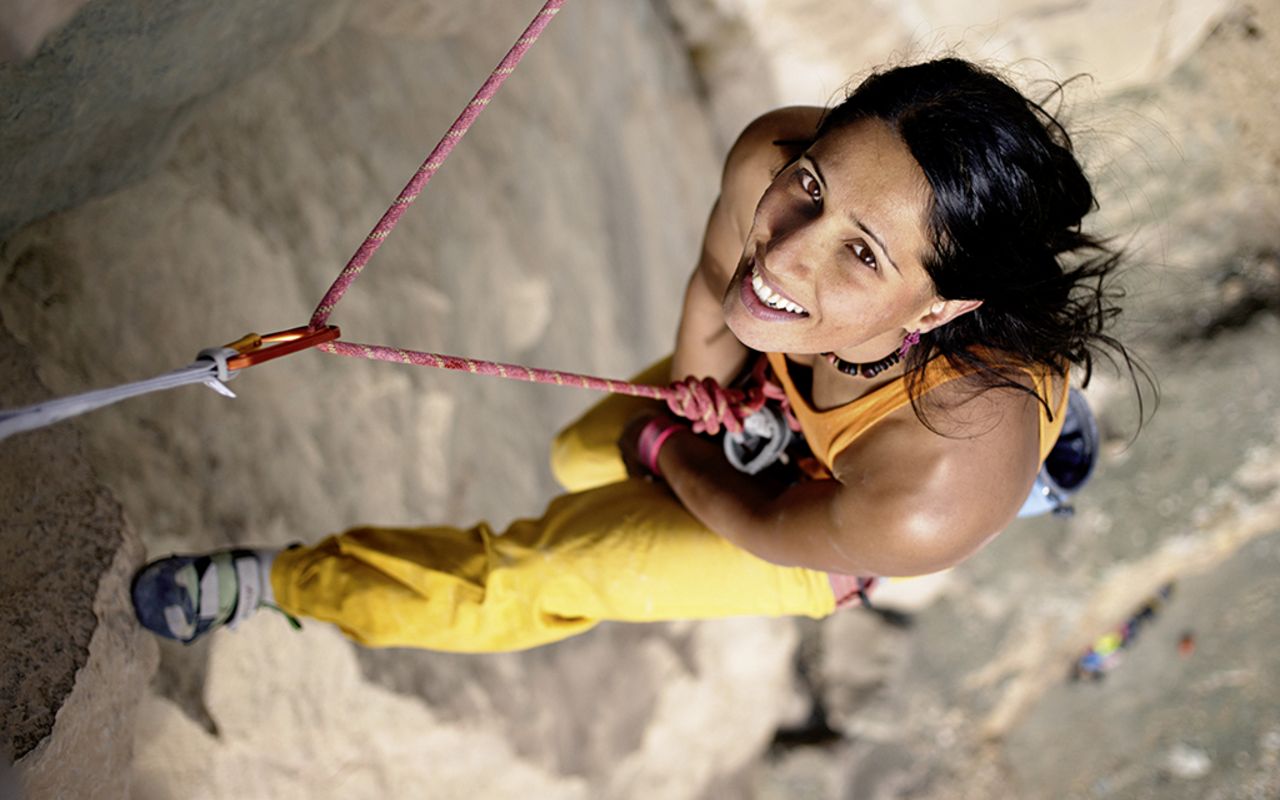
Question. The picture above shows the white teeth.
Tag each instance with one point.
(772, 298)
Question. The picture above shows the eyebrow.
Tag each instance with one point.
(854, 217)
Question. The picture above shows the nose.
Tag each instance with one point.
(793, 249)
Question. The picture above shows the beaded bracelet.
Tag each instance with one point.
(652, 436)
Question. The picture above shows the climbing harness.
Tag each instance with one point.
(763, 441)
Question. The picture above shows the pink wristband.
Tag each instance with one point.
(652, 436)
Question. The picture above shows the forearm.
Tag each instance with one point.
(705, 347)
(725, 500)
(772, 519)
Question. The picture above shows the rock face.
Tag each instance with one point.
(25, 24)
(75, 663)
(973, 699)
(236, 157)
(754, 56)
(559, 234)
(99, 105)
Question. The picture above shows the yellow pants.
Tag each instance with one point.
(614, 549)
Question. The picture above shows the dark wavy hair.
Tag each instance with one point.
(1008, 199)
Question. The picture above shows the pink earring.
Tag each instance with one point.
(911, 341)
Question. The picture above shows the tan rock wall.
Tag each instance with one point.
(756, 55)
(25, 24)
(100, 103)
(559, 234)
(73, 661)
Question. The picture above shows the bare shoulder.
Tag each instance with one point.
(933, 497)
(757, 155)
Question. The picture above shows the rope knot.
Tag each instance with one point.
(710, 406)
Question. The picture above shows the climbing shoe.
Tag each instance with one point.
(183, 597)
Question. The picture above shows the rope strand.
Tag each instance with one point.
(515, 372)
(437, 157)
(722, 407)
(717, 407)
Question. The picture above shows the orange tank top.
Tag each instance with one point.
(830, 432)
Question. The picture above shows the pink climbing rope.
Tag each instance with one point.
(412, 189)
(511, 371)
(437, 157)
(709, 407)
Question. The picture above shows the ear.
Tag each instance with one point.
(940, 312)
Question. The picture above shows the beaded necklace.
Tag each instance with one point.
(873, 368)
(868, 370)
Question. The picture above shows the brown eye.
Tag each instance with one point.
(863, 253)
(809, 185)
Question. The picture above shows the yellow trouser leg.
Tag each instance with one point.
(585, 454)
(616, 549)
(628, 552)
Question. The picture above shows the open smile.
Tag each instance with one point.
(769, 295)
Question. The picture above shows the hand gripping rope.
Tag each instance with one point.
(214, 367)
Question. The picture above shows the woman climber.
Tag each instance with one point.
(905, 276)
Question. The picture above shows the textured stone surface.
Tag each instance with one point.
(74, 663)
(980, 705)
(25, 24)
(560, 234)
(102, 101)
(58, 533)
(90, 751)
(331, 734)
(754, 56)
(423, 20)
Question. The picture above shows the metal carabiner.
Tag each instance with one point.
(255, 349)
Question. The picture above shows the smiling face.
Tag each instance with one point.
(833, 258)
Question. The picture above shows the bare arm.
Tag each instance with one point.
(904, 501)
(704, 345)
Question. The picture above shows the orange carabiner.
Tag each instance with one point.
(255, 349)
